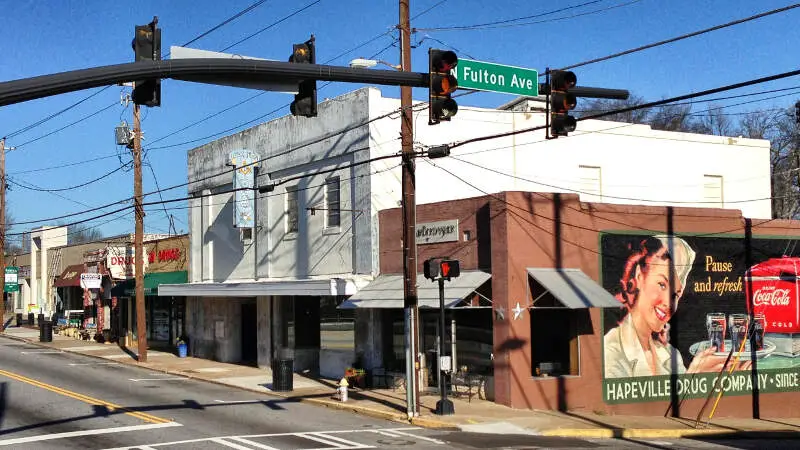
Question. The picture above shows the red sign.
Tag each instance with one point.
(169, 254)
(774, 286)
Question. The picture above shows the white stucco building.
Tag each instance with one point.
(253, 291)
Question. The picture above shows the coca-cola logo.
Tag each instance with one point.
(771, 297)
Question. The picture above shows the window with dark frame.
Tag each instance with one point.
(332, 202)
(292, 209)
(554, 342)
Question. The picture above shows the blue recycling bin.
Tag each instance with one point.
(182, 350)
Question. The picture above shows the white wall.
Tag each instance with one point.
(639, 165)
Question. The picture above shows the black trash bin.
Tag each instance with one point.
(283, 371)
(40, 319)
(19, 319)
(30, 319)
(46, 331)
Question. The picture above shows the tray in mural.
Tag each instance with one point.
(769, 347)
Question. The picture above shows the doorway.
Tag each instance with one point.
(249, 333)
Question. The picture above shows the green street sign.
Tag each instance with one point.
(485, 76)
(12, 283)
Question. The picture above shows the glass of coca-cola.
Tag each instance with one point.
(759, 326)
(716, 325)
(738, 324)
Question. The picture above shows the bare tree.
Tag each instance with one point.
(600, 105)
(715, 121)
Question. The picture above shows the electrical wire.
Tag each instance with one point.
(681, 37)
(17, 183)
(296, 12)
(496, 23)
(636, 107)
(58, 113)
(67, 126)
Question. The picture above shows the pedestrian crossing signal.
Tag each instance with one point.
(439, 268)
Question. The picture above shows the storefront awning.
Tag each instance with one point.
(572, 288)
(326, 287)
(152, 281)
(386, 291)
(71, 277)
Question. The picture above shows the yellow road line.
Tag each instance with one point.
(84, 398)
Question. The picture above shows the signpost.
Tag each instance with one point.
(486, 76)
(12, 276)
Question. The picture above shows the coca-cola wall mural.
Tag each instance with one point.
(697, 314)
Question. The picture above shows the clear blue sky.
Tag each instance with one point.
(43, 37)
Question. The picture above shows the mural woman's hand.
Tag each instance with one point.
(706, 361)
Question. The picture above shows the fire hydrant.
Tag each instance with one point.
(343, 389)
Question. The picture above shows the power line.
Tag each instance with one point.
(201, 35)
(67, 126)
(500, 22)
(641, 106)
(683, 36)
(226, 21)
(296, 12)
(70, 187)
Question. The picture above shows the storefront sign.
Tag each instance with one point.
(686, 304)
(434, 232)
(12, 283)
(246, 163)
(121, 262)
(91, 280)
(166, 255)
(94, 256)
(24, 272)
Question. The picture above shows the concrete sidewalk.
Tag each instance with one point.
(477, 415)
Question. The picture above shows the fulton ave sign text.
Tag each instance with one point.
(486, 76)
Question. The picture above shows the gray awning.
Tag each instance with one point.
(326, 287)
(386, 291)
(573, 288)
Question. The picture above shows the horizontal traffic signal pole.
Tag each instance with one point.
(205, 69)
(590, 92)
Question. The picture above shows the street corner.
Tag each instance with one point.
(434, 424)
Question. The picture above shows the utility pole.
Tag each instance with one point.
(409, 208)
(3, 232)
(141, 325)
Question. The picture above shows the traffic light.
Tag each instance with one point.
(305, 102)
(561, 102)
(440, 85)
(147, 47)
(441, 268)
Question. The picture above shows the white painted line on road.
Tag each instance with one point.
(252, 443)
(41, 352)
(222, 441)
(337, 442)
(95, 364)
(237, 401)
(659, 443)
(71, 434)
(157, 379)
(387, 433)
(416, 436)
(86, 348)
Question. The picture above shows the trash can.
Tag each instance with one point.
(40, 319)
(30, 319)
(46, 331)
(19, 319)
(283, 371)
(182, 348)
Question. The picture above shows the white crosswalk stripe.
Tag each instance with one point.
(332, 439)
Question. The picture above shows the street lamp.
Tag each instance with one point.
(362, 63)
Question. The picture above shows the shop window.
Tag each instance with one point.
(554, 341)
(292, 209)
(306, 322)
(337, 326)
(332, 203)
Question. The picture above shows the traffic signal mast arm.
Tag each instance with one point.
(207, 69)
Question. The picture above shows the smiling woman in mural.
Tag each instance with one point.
(652, 284)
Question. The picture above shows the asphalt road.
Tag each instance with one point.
(50, 399)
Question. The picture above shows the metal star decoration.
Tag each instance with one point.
(518, 311)
(500, 313)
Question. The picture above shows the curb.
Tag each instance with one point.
(668, 433)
